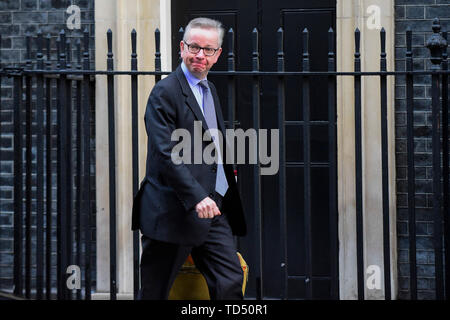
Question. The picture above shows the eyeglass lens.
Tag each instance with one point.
(196, 49)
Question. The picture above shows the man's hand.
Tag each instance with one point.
(207, 209)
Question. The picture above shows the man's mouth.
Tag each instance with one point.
(198, 65)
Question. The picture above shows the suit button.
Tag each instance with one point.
(214, 169)
(211, 195)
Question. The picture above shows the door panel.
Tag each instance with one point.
(268, 15)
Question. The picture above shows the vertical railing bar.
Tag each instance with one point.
(358, 171)
(69, 166)
(281, 96)
(157, 55)
(180, 38)
(385, 170)
(58, 177)
(436, 154)
(62, 173)
(58, 52)
(28, 176)
(332, 145)
(86, 162)
(445, 169)
(231, 107)
(68, 54)
(78, 239)
(256, 90)
(40, 171)
(307, 167)
(49, 184)
(135, 151)
(18, 187)
(112, 165)
(437, 185)
(1, 69)
(411, 167)
(1, 108)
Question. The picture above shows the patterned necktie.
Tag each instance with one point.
(211, 120)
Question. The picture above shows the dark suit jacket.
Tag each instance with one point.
(164, 206)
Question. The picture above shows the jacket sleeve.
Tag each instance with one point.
(160, 122)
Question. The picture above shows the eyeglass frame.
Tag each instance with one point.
(200, 48)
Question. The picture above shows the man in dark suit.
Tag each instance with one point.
(191, 207)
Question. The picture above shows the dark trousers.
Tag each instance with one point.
(216, 259)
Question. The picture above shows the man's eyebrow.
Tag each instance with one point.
(195, 44)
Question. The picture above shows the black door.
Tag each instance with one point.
(267, 16)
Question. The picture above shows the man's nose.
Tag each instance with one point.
(200, 54)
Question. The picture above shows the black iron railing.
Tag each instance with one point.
(66, 94)
(73, 185)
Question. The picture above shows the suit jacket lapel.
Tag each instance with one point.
(190, 98)
(193, 105)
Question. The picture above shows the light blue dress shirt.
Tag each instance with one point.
(194, 84)
(197, 90)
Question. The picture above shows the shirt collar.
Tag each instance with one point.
(193, 81)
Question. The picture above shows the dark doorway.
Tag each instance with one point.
(267, 16)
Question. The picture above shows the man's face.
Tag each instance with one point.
(199, 64)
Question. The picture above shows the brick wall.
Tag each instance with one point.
(17, 18)
(418, 15)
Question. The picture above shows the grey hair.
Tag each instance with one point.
(205, 23)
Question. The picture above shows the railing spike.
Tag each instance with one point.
(133, 42)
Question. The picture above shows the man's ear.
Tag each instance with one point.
(181, 46)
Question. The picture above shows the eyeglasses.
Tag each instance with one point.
(194, 49)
